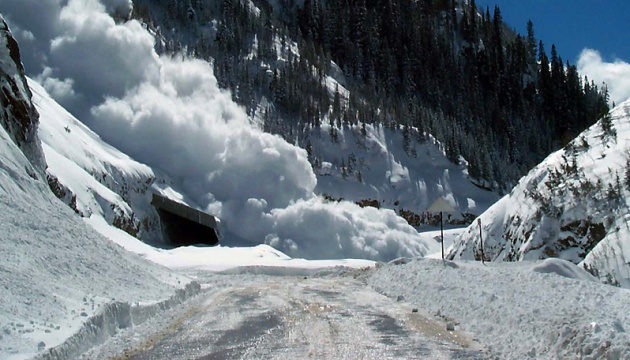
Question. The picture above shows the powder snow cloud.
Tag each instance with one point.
(169, 113)
(615, 74)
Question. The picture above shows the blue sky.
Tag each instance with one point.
(572, 25)
(601, 26)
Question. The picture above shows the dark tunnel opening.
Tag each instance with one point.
(183, 225)
(182, 232)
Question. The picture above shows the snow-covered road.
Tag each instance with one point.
(290, 317)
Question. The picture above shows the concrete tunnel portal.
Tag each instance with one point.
(183, 225)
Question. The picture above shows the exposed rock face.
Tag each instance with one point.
(17, 113)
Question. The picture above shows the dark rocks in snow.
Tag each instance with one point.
(399, 261)
(17, 113)
(400, 298)
(450, 326)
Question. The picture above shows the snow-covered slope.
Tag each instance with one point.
(401, 169)
(170, 114)
(94, 178)
(56, 272)
(574, 206)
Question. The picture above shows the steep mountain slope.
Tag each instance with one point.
(394, 168)
(574, 206)
(359, 152)
(96, 179)
(18, 116)
(56, 271)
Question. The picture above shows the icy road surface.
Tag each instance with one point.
(333, 317)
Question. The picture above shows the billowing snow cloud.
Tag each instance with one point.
(615, 74)
(33, 23)
(170, 113)
(77, 42)
(181, 122)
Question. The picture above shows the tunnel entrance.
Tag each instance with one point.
(183, 225)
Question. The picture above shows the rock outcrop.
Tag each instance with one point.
(17, 113)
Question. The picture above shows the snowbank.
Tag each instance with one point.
(57, 271)
(110, 319)
(515, 310)
(563, 268)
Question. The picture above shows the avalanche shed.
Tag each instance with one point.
(183, 225)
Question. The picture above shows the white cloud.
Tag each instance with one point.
(615, 74)
(170, 114)
(62, 90)
(26, 35)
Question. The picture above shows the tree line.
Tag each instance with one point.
(445, 67)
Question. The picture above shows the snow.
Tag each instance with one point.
(398, 179)
(434, 238)
(518, 310)
(219, 258)
(563, 268)
(58, 275)
(169, 114)
(557, 211)
(57, 271)
(65, 284)
(256, 183)
(96, 177)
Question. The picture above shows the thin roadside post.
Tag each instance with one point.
(481, 239)
(440, 205)
(442, 234)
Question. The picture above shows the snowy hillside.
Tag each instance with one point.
(56, 271)
(94, 178)
(573, 206)
(398, 168)
(169, 113)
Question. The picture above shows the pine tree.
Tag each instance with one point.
(532, 44)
